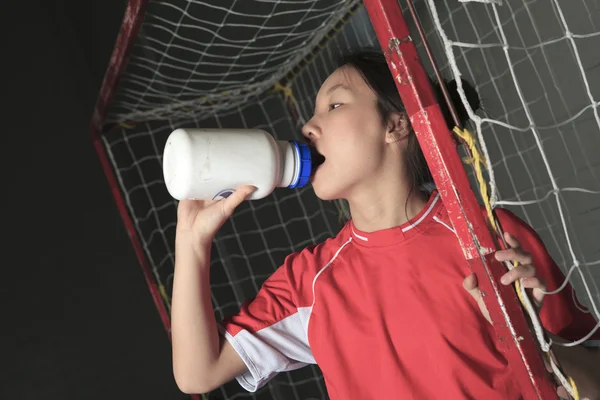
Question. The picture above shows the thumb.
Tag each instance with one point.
(471, 285)
(236, 198)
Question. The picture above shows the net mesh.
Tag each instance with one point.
(204, 65)
(196, 58)
(534, 66)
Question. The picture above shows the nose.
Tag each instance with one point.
(311, 131)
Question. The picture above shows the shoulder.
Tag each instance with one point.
(509, 219)
(311, 259)
(302, 267)
(511, 223)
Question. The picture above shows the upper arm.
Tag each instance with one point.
(229, 366)
(269, 335)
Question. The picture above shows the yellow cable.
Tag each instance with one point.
(574, 387)
(164, 295)
(127, 125)
(478, 161)
(288, 93)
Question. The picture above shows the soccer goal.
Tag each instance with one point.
(259, 64)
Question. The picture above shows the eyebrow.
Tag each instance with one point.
(333, 88)
(338, 86)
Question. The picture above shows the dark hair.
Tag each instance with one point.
(373, 67)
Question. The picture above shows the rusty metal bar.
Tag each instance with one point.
(512, 331)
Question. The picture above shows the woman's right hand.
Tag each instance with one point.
(199, 220)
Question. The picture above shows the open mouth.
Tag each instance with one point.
(317, 158)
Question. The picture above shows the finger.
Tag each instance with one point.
(539, 288)
(562, 392)
(547, 363)
(236, 198)
(471, 285)
(511, 240)
(522, 271)
(515, 255)
(533, 282)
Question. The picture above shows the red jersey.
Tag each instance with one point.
(385, 315)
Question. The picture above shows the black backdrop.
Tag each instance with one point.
(77, 320)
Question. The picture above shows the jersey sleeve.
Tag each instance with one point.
(269, 332)
(560, 313)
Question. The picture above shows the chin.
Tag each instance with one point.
(326, 194)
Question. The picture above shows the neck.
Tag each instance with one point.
(385, 206)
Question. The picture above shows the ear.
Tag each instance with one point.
(398, 128)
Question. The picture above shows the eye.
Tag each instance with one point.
(334, 106)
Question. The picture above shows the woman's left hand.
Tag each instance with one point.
(524, 271)
(577, 362)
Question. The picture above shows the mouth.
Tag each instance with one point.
(317, 158)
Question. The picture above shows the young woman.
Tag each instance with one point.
(382, 307)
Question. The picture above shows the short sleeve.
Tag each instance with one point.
(269, 332)
(561, 313)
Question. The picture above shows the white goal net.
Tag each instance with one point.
(535, 66)
(216, 64)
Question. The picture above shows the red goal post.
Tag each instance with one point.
(472, 229)
(132, 20)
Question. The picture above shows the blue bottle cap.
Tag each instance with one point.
(305, 161)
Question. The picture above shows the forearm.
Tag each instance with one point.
(581, 364)
(194, 332)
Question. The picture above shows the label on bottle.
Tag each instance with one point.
(223, 194)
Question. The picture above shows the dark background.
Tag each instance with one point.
(77, 319)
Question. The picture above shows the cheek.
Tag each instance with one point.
(358, 136)
(363, 115)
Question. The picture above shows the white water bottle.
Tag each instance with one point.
(209, 164)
